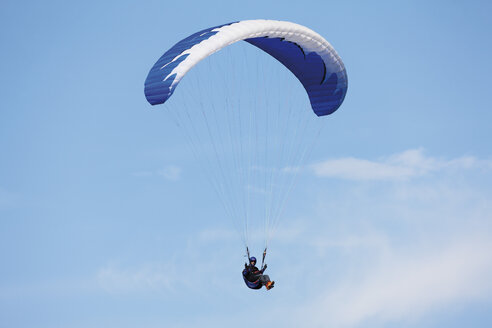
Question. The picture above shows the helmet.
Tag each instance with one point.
(252, 259)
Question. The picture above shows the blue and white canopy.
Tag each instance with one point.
(304, 52)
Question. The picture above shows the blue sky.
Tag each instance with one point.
(105, 221)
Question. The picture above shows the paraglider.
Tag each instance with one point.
(256, 147)
(254, 277)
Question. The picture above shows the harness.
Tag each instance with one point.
(254, 284)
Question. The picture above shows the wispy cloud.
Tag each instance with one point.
(147, 277)
(400, 166)
(214, 235)
(170, 172)
(410, 250)
(406, 285)
(352, 242)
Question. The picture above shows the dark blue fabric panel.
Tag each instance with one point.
(157, 90)
(326, 90)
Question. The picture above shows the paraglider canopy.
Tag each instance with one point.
(304, 52)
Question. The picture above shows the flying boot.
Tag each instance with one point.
(269, 285)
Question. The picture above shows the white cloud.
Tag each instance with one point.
(352, 242)
(400, 166)
(217, 235)
(407, 285)
(148, 277)
(170, 172)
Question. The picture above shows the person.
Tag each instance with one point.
(254, 278)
